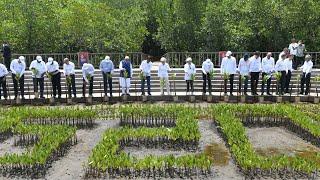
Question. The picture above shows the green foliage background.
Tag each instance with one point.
(38, 26)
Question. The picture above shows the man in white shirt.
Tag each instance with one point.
(255, 69)
(285, 51)
(243, 69)
(189, 74)
(293, 51)
(288, 63)
(87, 75)
(126, 72)
(207, 72)
(55, 76)
(38, 68)
(267, 67)
(68, 70)
(306, 74)
(107, 68)
(163, 74)
(3, 83)
(18, 67)
(281, 68)
(228, 70)
(145, 68)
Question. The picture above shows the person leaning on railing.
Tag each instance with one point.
(3, 84)
(107, 68)
(18, 67)
(189, 74)
(306, 74)
(38, 68)
(207, 73)
(145, 68)
(68, 70)
(87, 76)
(55, 76)
(228, 70)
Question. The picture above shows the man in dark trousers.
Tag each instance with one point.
(306, 75)
(17, 68)
(6, 54)
(54, 75)
(107, 68)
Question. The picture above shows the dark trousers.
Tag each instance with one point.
(56, 84)
(148, 85)
(15, 85)
(282, 82)
(107, 81)
(3, 85)
(7, 61)
(189, 85)
(231, 77)
(90, 87)
(288, 79)
(263, 83)
(305, 80)
(245, 82)
(205, 78)
(254, 82)
(73, 86)
(300, 61)
(38, 82)
(295, 63)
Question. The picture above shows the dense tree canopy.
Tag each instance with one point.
(156, 26)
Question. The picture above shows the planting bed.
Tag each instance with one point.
(222, 141)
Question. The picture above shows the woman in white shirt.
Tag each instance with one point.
(189, 74)
(163, 74)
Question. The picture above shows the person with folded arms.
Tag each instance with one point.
(18, 67)
(306, 74)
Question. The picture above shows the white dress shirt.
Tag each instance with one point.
(87, 69)
(229, 65)
(288, 64)
(267, 65)
(3, 70)
(18, 68)
(163, 70)
(293, 48)
(189, 70)
(52, 67)
(145, 67)
(68, 69)
(243, 67)
(280, 65)
(255, 64)
(40, 67)
(207, 66)
(307, 67)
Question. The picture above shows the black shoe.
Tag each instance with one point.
(149, 94)
(231, 94)
(301, 93)
(110, 95)
(262, 93)
(123, 94)
(306, 94)
(143, 94)
(59, 97)
(42, 97)
(15, 98)
(128, 94)
(269, 94)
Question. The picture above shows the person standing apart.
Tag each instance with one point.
(189, 74)
(18, 67)
(38, 68)
(306, 75)
(87, 75)
(107, 68)
(228, 70)
(125, 75)
(243, 69)
(267, 67)
(6, 50)
(68, 70)
(255, 69)
(207, 72)
(3, 83)
(55, 76)
(288, 63)
(301, 48)
(293, 51)
(145, 68)
(163, 74)
(281, 68)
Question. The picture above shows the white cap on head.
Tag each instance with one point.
(308, 56)
(229, 53)
(50, 59)
(269, 54)
(163, 59)
(107, 58)
(188, 59)
(208, 60)
(127, 57)
(21, 58)
(39, 58)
